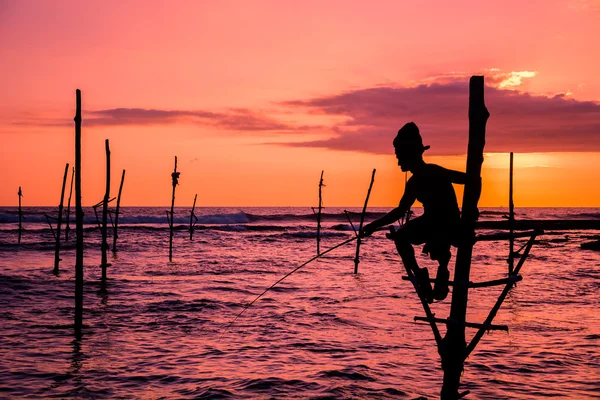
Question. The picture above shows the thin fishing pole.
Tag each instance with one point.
(285, 276)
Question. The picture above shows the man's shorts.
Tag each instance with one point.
(437, 235)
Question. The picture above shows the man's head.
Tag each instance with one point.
(408, 146)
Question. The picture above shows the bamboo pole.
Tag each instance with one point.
(511, 219)
(175, 181)
(453, 349)
(192, 216)
(59, 221)
(20, 215)
(78, 222)
(68, 228)
(115, 234)
(319, 214)
(105, 214)
(362, 220)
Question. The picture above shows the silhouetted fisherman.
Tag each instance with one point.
(438, 227)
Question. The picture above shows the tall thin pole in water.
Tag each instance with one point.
(511, 219)
(454, 348)
(105, 214)
(20, 215)
(78, 222)
(68, 228)
(175, 181)
(115, 234)
(362, 220)
(319, 214)
(59, 221)
(192, 216)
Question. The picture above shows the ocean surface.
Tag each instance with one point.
(324, 333)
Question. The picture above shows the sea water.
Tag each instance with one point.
(159, 329)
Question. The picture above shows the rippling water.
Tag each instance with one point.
(158, 332)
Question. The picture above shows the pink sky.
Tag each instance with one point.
(256, 98)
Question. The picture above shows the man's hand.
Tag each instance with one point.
(367, 230)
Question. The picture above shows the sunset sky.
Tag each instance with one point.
(255, 98)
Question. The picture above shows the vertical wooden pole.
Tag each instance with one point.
(192, 215)
(115, 235)
(105, 214)
(174, 177)
(511, 219)
(362, 220)
(78, 222)
(68, 228)
(20, 215)
(319, 215)
(59, 221)
(453, 349)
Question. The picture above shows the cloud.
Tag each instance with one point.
(519, 121)
(234, 119)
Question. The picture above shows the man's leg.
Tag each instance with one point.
(440, 290)
(411, 233)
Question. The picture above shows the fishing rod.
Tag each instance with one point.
(285, 276)
(358, 235)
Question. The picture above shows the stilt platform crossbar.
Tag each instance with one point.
(447, 321)
(472, 285)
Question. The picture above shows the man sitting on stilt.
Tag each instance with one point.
(438, 227)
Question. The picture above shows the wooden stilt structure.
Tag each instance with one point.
(78, 323)
(20, 215)
(117, 213)
(362, 220)
(453, 347)
(511, 219)
(105, 264)
(319, 210)
(175, 182)
(59, 221)
(193, 218)
(68, 227)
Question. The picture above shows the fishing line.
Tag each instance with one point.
(285, 276)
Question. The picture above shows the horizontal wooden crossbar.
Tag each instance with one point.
(507, 235)
(487, 327)
(496, 282)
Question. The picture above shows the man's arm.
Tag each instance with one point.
(406, 202)
(456, 176)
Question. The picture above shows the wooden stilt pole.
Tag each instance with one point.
(59, 221)
(105, 214)
(192, 216)
(78, 222)
(319, 214)
(453, 349)
(20, 215)
(175, 181)
(362, 220)
(115, 234)
(68, 228)
(511, 219)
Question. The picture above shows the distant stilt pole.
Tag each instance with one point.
(454, 349)
(511, 219)
(68, 228)
(192, 216)
(78, 223)
(20, 215)
(105, 214)
(319, 214)
(115, 234)
(175, 181)
(362, 220)
(59, 221)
